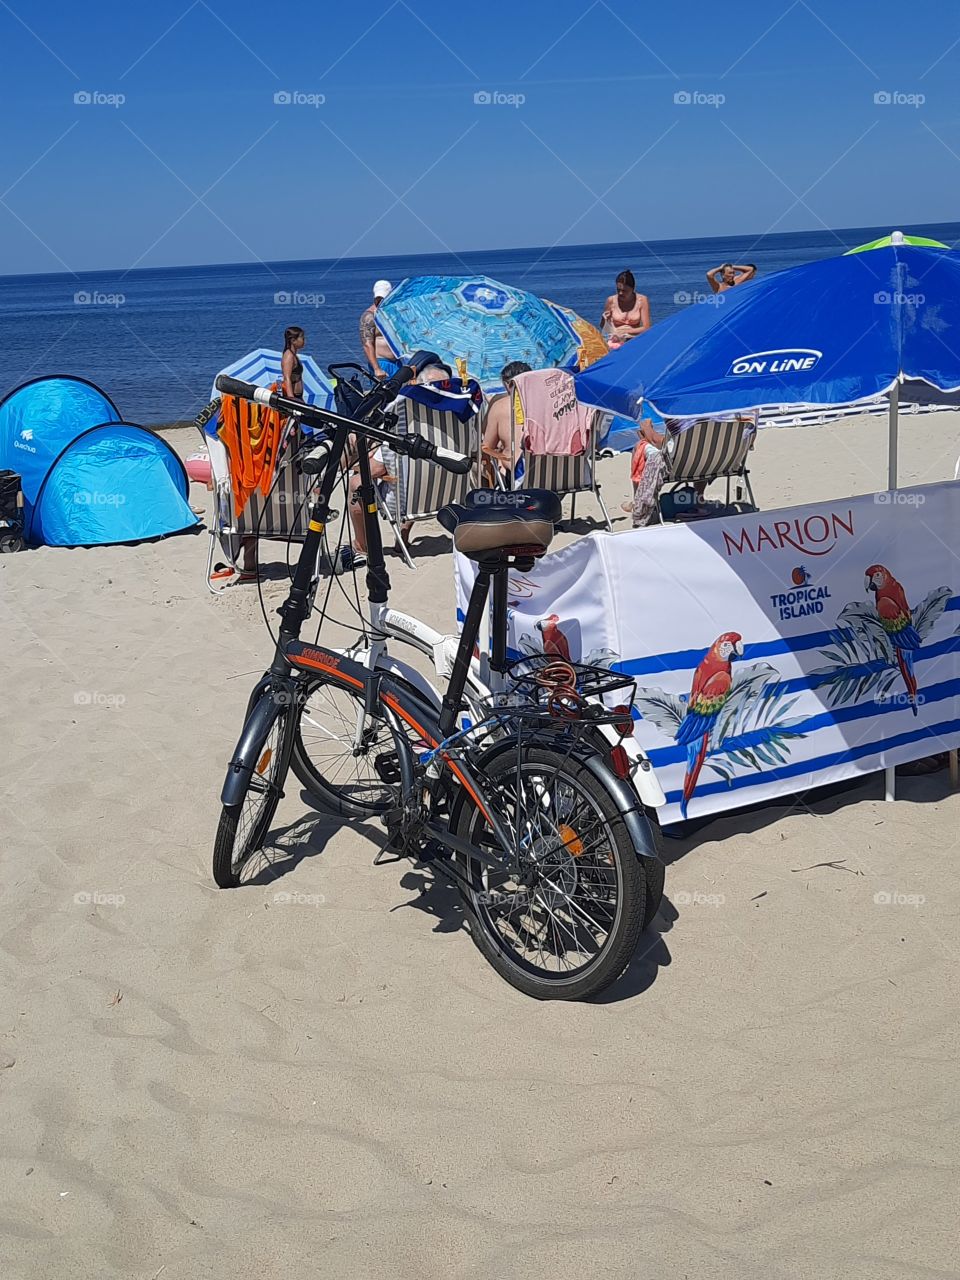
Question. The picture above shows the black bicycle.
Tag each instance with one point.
(524, 807)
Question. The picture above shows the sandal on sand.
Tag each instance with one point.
(921, 768)
(221, 571)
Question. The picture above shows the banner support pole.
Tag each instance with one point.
(890, 775)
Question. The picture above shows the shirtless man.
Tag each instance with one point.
(626, 313)
(375, 346)
(730, 276)
(497, 427)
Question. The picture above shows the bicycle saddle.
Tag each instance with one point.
(491, 520)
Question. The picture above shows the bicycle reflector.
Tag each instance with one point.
(624, 721)
(620, 761)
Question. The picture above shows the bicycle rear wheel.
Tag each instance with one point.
(243, 827)
(344, 757)
(565, 924)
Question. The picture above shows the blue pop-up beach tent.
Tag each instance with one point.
(88, 478)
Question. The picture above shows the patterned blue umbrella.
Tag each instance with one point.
(479, 320)
(262, 368)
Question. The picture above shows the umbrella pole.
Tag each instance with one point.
(892, 436)
(890, 775)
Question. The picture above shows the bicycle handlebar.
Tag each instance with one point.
(412, 445)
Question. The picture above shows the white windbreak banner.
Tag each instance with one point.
(772, 652)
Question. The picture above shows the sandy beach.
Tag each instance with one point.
(317, 1075)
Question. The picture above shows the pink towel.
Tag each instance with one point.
(554, 421)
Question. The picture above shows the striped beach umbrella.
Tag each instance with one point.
(593, 345)
(477, 320)
(262, 367)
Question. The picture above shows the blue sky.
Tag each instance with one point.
(199, 163)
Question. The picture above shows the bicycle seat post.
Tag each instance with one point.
(453, 697)
(498, 654)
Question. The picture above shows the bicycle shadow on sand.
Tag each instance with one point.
(433, 893)
(286, 847)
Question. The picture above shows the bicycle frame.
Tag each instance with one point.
(480, 676)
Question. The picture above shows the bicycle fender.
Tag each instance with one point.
(643, 776)
(247, 751)
(627, 801)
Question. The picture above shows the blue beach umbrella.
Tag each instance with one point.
(479, 320)
(829, 333)
(262, 368)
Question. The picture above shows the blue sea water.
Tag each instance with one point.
(156, 351)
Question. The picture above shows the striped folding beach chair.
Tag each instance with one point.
(281, 516)
(423, 488)
(710, 449)
(561, 473)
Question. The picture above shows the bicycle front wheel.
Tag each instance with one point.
(565, 922)
(243, 827)
(345, 758)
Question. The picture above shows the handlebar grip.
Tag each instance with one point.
(315, 460)
(458, 463)
(245, 390)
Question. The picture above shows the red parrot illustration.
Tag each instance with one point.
(554, 641)
(708, 693)
(897, 621)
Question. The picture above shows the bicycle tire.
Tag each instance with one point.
(372, 790)
(562, 860)
(243, 826)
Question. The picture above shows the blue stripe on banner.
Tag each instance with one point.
(689, 658)
(827, 720)
(818, 763)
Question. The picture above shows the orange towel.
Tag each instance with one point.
(252, 435)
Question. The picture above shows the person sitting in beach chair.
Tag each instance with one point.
(499, 447)
(689, 456)
(559, 443)
(414, 489)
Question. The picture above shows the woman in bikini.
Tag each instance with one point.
(626, 313)
(293, 343)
